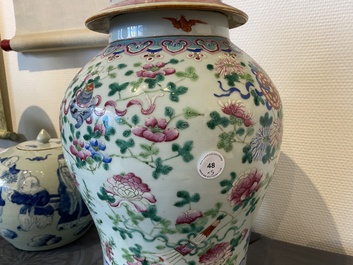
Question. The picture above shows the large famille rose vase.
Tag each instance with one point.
(172, 134)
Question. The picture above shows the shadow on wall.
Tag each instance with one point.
(32, 121)
(55, 60)
(294, 211)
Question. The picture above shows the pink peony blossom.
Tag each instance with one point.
(243, 188)
(217, 255)
(131, 190)
(156, 131)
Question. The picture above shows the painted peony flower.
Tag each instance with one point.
(156, 131)
(244, 187)
(129, 189)
(152, 70)
(217, 255)
(236, 108)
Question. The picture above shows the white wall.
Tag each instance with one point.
(307, 49)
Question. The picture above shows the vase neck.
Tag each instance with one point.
(167, 23)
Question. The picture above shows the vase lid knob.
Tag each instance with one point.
(43, 137)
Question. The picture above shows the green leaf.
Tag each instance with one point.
(160, 247)
(152, 82)
(152, 213)
(240, 131)
(115, 87)
(136, 84)
(181, 74)
(149, 150)
(226, 141)
(183, 194)
(250, 131)
(136, 250)
(127, 133)
(123, 232)
(195, 198)
(180, 204)
(160, 169)
(174, 61)
(269, 154)
(169, 112)
(266, 120)
(247, 157)
(127, 256)
(135, 119)
(122, 66)
(112, 75)
(135, 218)
(124, 145)
(128, 73)
(184, 151)
(191, 73)
(175, 91)
(72, 128)
(210, 67)
(216, 120)
(232, 78)
(247, 77)
(257, 99)
(182, 125)
(104, 196)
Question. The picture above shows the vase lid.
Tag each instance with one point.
(43, 142)
(100, 22)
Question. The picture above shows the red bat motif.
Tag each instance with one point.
(183, 23)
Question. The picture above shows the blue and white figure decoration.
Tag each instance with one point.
(40, 207)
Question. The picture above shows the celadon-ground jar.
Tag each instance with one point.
(172, 134)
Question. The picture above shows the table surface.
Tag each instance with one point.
(87, 251)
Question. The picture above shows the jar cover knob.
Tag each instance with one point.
(43, 137)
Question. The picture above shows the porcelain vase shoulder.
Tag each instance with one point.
(173, 139)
